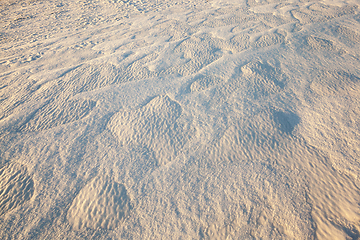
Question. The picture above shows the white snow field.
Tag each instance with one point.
(179, 119)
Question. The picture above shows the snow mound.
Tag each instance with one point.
(154, 126)
(262, 79)
(102, 203)
(16, 187)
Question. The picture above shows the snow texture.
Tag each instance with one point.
(179, 119)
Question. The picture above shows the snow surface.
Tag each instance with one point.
(207, 119)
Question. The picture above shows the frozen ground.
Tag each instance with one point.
(180, 119)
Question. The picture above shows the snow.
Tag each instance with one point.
(183, 119)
